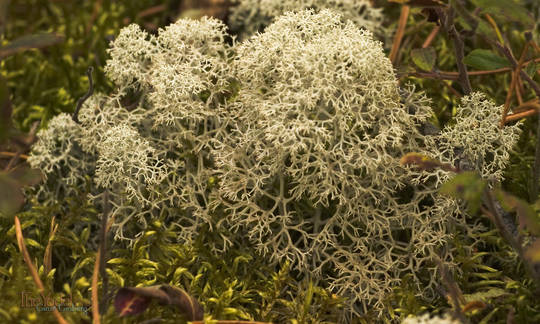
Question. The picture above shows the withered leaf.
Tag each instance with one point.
(128, 302)
(422, 162)
(134, 300)
(11, 184)
(27, 42)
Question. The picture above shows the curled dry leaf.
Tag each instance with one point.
(30, 42)
(11, 184)
(135, 300)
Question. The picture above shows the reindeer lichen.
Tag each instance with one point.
(427, 319)
(250, 16)
(474, 139)
(291, 140)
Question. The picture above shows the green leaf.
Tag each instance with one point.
(115, 278)
(309, 298)
(32, 242)
(29, 42)
(117, 261)
(468, 186)
(485, 295)
(482, 59)
(179, 272)
(424, 58)
(82, 282)
(506, 10)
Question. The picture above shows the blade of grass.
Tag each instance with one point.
(47, 258)
(95, 299)
(33, 271)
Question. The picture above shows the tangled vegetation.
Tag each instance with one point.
(303, 173)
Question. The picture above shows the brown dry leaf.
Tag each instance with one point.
(135, 300)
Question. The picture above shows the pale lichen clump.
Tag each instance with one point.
(127, 163)
(474, 140)
(251, 16)
(427, 319)
(291, 140)
(312, 172)
(58, 154)
(130, 57)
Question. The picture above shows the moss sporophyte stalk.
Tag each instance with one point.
(291, 139)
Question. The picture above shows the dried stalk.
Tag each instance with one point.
(399, 33)
(32, 268)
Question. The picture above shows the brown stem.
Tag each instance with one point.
(29, 140)
(505, 50)
(152, 11)
(95, 299)
(508, 53)
(399, 33)
(453, 290)
(103, 251)
(458, 50)
(450, 75)
(11, 155)
(530, 108)
(32, 268)
(518, 90)
(454, 91)
(514, 84)
(100, 265)
(431, 36)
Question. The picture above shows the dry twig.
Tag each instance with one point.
(399, 33)
(431, 36)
